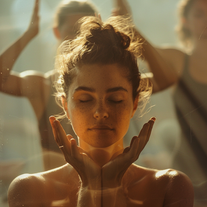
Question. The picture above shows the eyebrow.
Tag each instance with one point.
(116, 89)
(110, 90)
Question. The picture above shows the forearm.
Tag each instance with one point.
(164, 74)
(89, 197)
(122, 7)
(106, 197)
(114, 197)
(9, 57)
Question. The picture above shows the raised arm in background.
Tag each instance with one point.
(166, 71)
(30, 84)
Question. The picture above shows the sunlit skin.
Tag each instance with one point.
(100, 108)
(104, 98)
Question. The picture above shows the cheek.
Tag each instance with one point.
(79, 116)
(122, 115)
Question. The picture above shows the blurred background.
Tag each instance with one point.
(20, 150)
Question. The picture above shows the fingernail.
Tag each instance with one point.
(153, 119)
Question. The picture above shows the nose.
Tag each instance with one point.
(101, 111)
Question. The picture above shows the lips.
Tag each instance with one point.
(100, 127)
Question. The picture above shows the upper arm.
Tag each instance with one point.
(167, 67)
(24, 191)
(27, 84)
(174, 59)
(179, 192)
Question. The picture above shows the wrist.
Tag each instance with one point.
(113, 197)
(29, 34)
(92, 184)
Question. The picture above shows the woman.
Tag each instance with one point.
(35, 85)
(99, 87)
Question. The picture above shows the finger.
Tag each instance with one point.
(62, 140)
(138, 142)
(126, 150)
(69, 137)
(133, 153)
(98, 15)
(143, 136)
(132, 141)
(146, 137)
(74, 150)
(151, 122)
(66, 148)
(52, 119)
(36, 8)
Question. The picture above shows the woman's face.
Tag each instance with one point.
(196, 20)
(100, 104)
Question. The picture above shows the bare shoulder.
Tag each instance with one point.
(171, 177)
(25, 84)
(173, 188)
(32, 75)
(25, 189)
(177, 187)
(41, 189)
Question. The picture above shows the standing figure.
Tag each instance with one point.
(38, 87)
(187, 70)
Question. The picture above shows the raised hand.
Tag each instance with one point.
(88, 170)
(121, 8)
(113, 171)
(34, 23)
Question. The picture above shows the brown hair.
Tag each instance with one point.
(183, 32)
(112, 42)
(68, 7)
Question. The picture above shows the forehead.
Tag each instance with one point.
(72, 19)
(101, 77)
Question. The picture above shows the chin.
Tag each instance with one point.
(102, 144)
(102, 141)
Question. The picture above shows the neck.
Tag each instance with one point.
(102, 155)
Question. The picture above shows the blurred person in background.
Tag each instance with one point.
(186, 69)
(36, 86)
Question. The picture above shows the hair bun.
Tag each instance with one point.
(99, 37)
(124, 40)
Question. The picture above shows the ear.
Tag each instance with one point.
(65, 106)
(56, 33)
(135, 105)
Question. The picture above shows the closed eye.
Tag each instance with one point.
(85, 101)
(116, 101)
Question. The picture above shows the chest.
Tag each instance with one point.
(61, 194)
(145, 194)
(197, 69)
